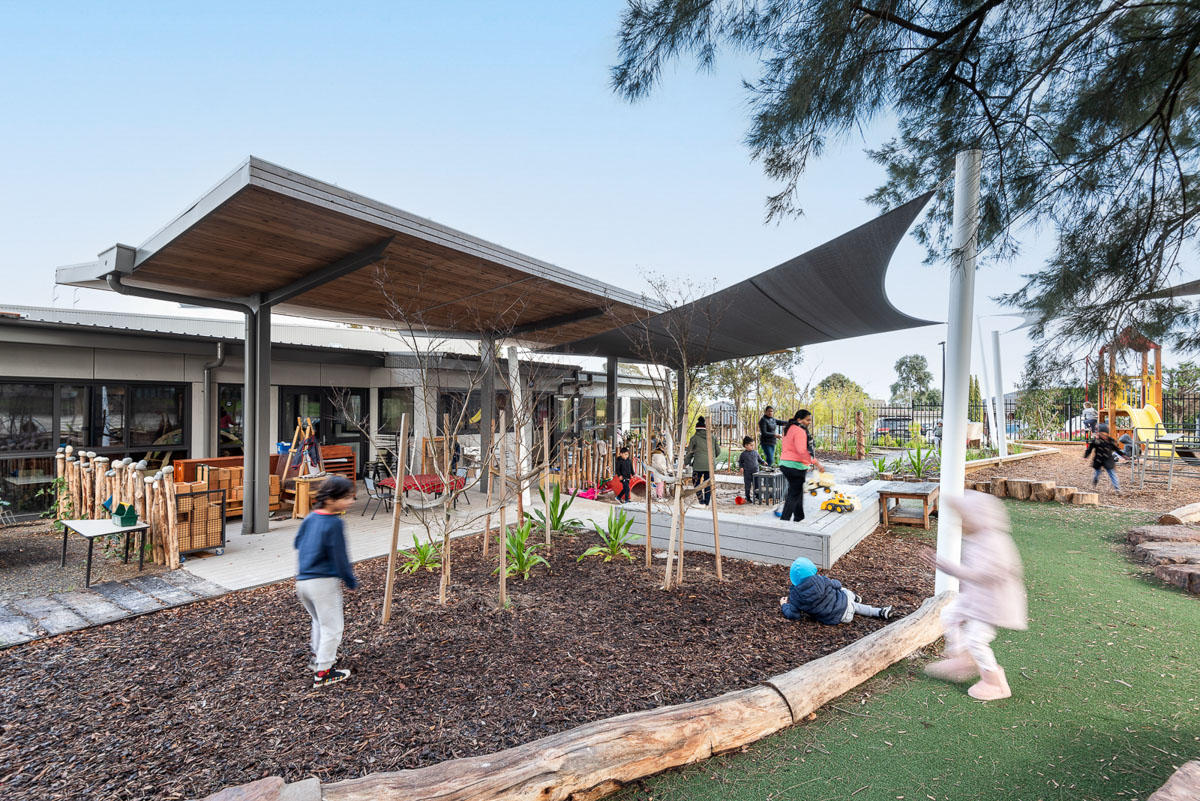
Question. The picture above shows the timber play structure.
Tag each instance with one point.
(1129, 403)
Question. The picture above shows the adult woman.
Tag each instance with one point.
(795, 460)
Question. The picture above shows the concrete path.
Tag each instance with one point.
(28, 619)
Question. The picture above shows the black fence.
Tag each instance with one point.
(1057, 417)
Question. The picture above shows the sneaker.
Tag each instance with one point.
(857, 598)
(324, 678)
(886, 613)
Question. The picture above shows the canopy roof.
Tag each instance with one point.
(265, 232)
(834, 291)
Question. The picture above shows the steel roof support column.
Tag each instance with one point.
(958, 359)
(256, 514)
(487, 406)
(613, 413)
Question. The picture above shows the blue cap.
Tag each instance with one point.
(802, 568)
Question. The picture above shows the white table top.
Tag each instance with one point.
(102, 528)
(24, 481)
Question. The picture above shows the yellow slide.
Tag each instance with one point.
(1148, 421)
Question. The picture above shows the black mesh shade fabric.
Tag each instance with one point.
(834, 291)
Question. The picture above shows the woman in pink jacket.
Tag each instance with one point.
(795, 460)
(991, 594)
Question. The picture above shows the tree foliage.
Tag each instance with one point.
(1182, 380)
(748, 382)
(1085, 111)
(913, 381)
(838, 381)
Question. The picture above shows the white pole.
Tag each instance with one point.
(958, 358)
(987, 384)
(522, 417)
(1002, 443)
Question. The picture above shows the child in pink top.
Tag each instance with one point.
(991, 594)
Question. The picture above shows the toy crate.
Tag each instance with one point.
(202, 526)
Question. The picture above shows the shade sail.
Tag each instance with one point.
(834, 291)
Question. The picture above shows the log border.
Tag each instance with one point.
(596, 759)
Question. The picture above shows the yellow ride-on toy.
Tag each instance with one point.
(841, 502)
(823, 482)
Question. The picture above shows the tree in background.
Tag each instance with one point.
(1181, 380)
(975, 402)
(835, 381)
(743, 380)
(1085, 112)
(913, 381)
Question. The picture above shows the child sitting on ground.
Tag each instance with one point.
(991, 593)
(750, 463)
(323, 565)
(624, 467)
(823, 599)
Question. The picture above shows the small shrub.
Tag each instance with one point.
(880, 465)
(558, 511)
(521, 555)
(423, 555)
(616, 536)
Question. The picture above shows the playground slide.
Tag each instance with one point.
(1147, 420)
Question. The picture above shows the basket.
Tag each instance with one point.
(124, 516)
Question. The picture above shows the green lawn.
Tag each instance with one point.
(1106, 697)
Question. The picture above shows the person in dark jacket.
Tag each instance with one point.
(624, 467)
(1104, 451)
(823, 599)
(696, 455)
(323, 565)
(749, 463)
(768, 433)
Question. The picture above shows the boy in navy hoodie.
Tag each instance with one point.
(823, 599)
(323, 565)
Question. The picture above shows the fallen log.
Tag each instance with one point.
(1086, 498)
(1042, 491)
(593, 760)
(1064, 494)
(1019, 488)
(1184, 514)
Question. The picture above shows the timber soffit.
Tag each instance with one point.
(273, 178)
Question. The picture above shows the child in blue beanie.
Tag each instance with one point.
(823, 599)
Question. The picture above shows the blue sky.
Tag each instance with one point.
(495, 118)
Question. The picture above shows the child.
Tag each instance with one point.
(823, 599)
(660, 470)
(750, 464)
(323, 565)
(992, 593)
(624, 472)
(1104, 451)
(1090, 417)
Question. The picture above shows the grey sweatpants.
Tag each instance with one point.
(853, 607)
(322, 599)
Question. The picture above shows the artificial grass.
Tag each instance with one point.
(1106, 696)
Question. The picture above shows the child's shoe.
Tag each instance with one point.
(886, 613)
(992, 686)
(954, 668)
(323, 678)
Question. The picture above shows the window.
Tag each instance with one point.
(229, 419)
(108, 416)
(394, 402)
(22, 480)
(26, 417)
(156, 417)
(593, 414)
(451, 403)
(73, 405)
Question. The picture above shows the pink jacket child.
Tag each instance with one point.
(991, 594)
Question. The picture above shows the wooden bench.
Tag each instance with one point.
(892, 513)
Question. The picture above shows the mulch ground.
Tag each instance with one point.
(1069, 469)
(183, 702)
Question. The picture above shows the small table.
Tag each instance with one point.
(769, 486)
(925, 492)
(302, 504)
(93, 529)
(425, 483)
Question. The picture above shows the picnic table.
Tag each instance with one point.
(94, 529)
(425, 483)
(925, 492)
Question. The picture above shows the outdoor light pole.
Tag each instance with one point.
(943, 346)
(962, 311)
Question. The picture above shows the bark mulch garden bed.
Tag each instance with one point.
(1068, 469)
(183, 702)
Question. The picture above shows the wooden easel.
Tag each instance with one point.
(304, 443)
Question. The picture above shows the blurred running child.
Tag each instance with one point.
(323, 566)
(991, 593)
(1105, 452)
